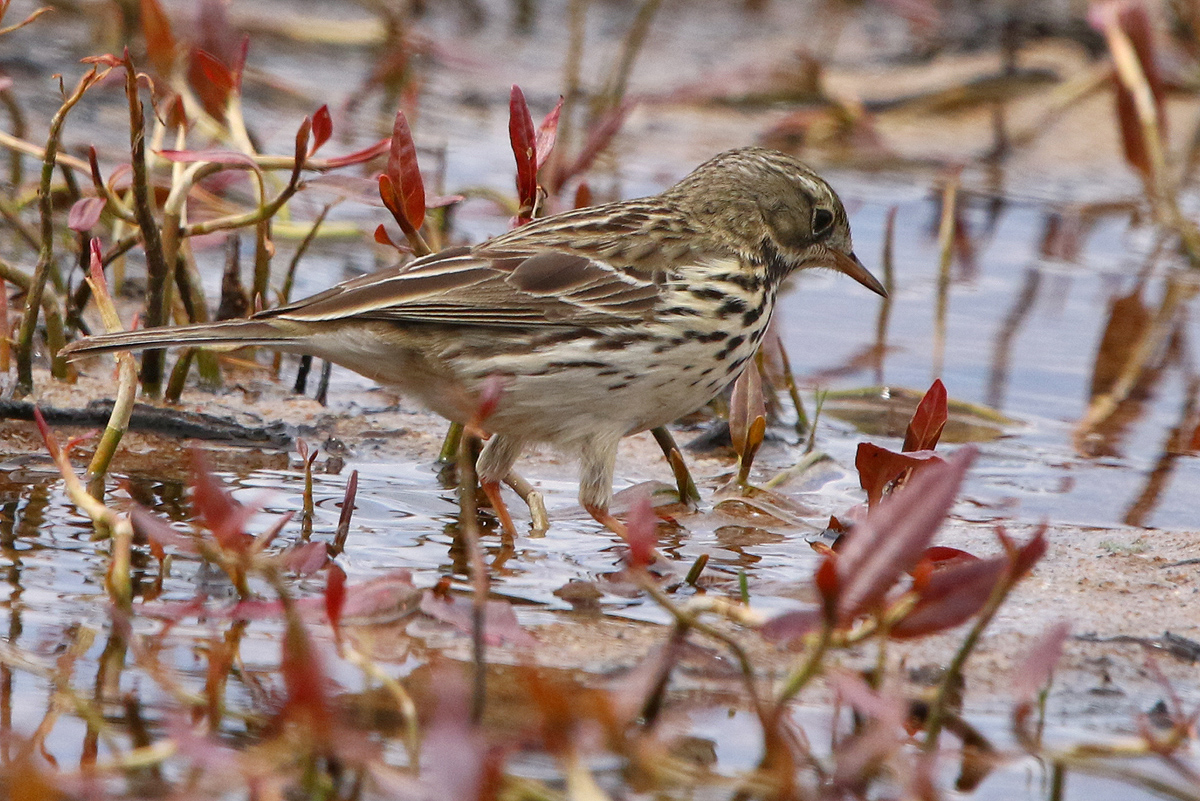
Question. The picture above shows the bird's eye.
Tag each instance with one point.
(822, 222)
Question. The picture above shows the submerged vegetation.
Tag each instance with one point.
(232, 655)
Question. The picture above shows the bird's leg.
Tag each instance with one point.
(492, 490)
(494, 464)
(597, 458)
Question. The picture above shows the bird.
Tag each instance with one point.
(595, 323)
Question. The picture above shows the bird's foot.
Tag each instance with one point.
(492, 490)
(606, 519)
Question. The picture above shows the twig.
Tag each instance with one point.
(157, 267)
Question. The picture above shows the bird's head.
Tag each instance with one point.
(775, 211)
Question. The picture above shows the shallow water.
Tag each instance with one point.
(1023, 327)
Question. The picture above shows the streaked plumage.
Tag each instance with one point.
(602, 322)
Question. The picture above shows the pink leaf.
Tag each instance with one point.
(237, 67)
(547, 134)
(1035, 669)
(153, 528)
(642, 529)
(500, 622)
(306, 558)
(85, 213)
(792, 627)
(895, 534)
(213, 156)
(951, 596)
(359, 156)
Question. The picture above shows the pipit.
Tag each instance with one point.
(598, 323)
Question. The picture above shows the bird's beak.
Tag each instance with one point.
(851, 266)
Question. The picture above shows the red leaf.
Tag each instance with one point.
(305, 679)
(322, 128)
(895, 534)
(47, 434)
(942, 555)
(160, 42)
(301, 150)
(221, 514)
(85, 213)
(521, 136)
(928, 420)
(335, 594)
(826, 579)
(547, 134)
(212, 81)
(381, 236)
(878, 467)
(583, 196)
(957, 592)
(1030, 553)
(951, 596)
(405, 174)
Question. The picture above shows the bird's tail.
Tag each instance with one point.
(227, 334)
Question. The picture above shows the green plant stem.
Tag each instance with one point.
(37, 286)
(450, 444)
(51, 304)
(799, 678)
(950, 680)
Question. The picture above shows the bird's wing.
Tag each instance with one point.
(501, 285)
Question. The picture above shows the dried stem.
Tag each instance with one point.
(157, 267)
(468, 524)
(946, 253)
